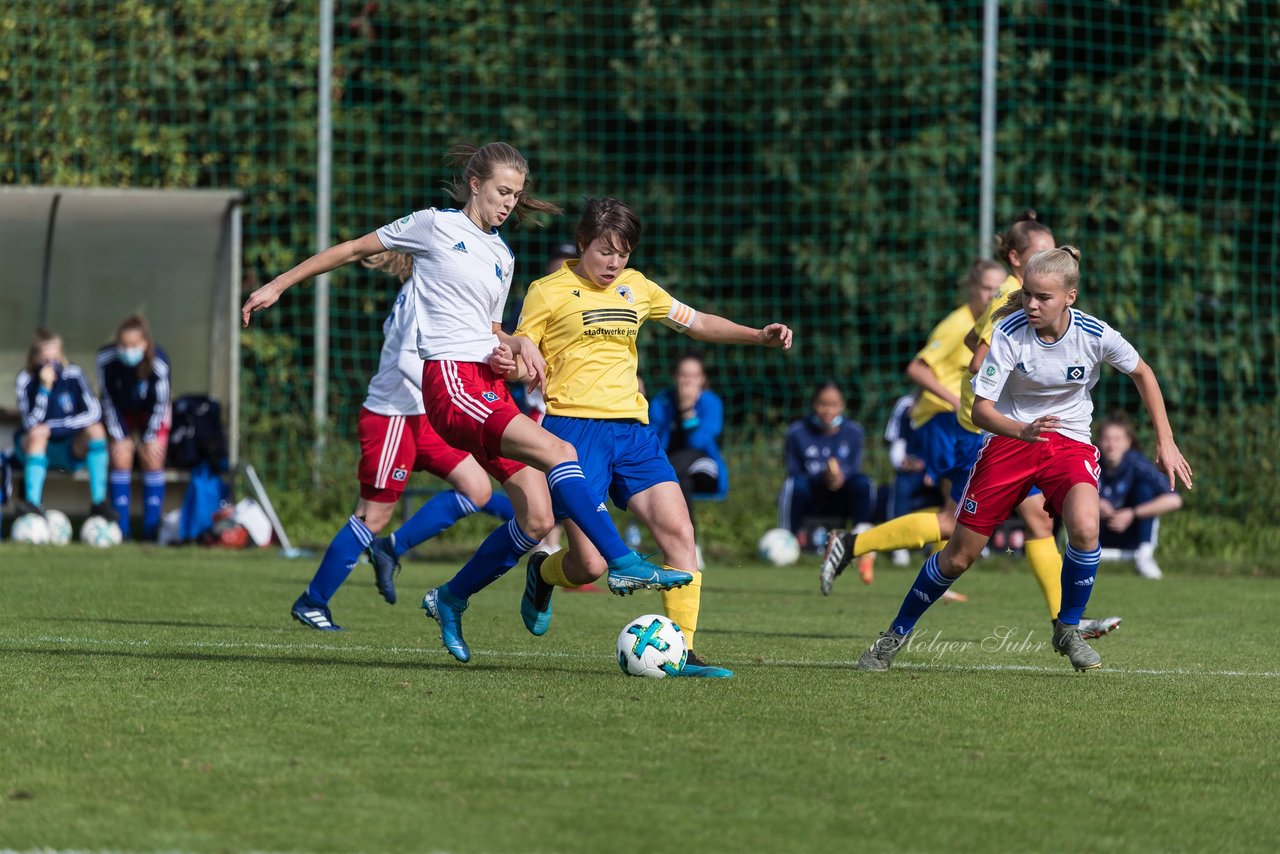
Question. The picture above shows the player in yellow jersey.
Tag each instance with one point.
(947, 449)
(584, 319)
(1025, 237)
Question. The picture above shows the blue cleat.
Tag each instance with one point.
(382, 554)
(314, 616)
(631, 573)
(445, 609)
(697, 668)
(535, 605)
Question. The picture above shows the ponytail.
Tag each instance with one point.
(479, 162)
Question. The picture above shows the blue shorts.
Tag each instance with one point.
(619, 458)
(948, 450)
(59, 452)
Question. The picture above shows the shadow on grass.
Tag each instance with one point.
(294, 660)
(168, 624)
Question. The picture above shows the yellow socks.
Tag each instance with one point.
(682, 605)
(911, 531)
(552, 570)
(1046, 563)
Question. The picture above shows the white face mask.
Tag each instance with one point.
(131, 356)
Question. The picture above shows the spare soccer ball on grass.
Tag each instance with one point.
(60, 530)
(779, 547)
(30, 528)
(651, 646)
(100, 533)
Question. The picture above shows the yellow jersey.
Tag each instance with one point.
(982, 329)
(587, 334)
(948, 358)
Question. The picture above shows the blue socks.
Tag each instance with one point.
(500, 505)
(1078, 571)
(96, 461)
(569, 488)
(121, 495)
(498, 553)
(928, 588)
(339, 560)
(153, 502)
(33, 473)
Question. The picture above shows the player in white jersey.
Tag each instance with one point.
(1032, 396)
(461, 275)
(395, 439)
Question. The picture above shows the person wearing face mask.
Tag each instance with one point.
(61, 424)
(824, 467)
(133, 374)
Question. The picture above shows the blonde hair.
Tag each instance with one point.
(479, 162)
(391, 262)
(1062, 262)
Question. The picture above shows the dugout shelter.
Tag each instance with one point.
(78, 260)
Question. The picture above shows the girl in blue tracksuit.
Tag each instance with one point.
(133, 374)
(61, 424)
(689, 419)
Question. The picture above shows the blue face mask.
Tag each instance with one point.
(131, 356)
(835, 422)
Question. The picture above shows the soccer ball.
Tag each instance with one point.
(651, 646)
(30, 528)
(98, 532)
(60, 530)
(779, 546)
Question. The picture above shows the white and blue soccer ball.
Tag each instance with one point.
(100, 533)
(60, 530)
(30, 528)
(652, 646)
(779, 547)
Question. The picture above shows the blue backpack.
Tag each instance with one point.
(205, 494)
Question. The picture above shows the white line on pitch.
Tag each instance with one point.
(768, 662)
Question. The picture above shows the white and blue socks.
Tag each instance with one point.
(33, 474)
(121, 483)
(96, 461)
(569, 488)
(1079, 568)
(440, 513)
(339, 560)
(499, 552)
(928, 588)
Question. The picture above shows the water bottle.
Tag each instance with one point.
(632, 536)
(820, 538)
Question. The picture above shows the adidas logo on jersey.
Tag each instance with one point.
(460, 247)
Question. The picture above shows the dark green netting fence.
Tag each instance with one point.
(816, 163)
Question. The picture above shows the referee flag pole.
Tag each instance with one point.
(987, 195)
(324, 187)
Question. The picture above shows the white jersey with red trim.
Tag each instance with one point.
(461, 277)
(1028, 378)
(396, 389)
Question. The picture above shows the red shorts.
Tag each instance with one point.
(470, 406)
(136, 422)
(391, 446)
(1007, 469)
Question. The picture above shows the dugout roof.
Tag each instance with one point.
(81, 259)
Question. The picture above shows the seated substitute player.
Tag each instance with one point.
(688, 419)
(1133, 496)
(912, 488)
(133, 374)
(61, 425)
(1033, 397)
(585, 320)
(395, 439)
(824, 466)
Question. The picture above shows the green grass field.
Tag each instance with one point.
(162, 700)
